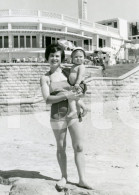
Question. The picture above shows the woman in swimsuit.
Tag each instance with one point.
(52, 83)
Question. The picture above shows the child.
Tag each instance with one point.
(76, 79)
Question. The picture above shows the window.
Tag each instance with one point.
(0, 42)
(34, 42)
(53, 40)
(102, 43)
(109, 24)
(47, 41)
(22, 45)
(28, 41)
(75, 43)
(43, 41)
(115, 24)
(86, 44)
(5, 41)
(15, 41)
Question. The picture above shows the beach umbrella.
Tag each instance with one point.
(127, 45)
(133, 46)
(66, 44)
(108, 50)
(136, 46)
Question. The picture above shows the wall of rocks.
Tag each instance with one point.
(124, 89)
(22, 81)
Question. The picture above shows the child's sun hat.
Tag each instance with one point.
(78, 48)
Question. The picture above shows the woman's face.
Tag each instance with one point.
(55, 59)
(78, 57)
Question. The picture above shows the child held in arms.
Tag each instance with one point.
(76, 79)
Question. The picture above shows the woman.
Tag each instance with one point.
(52, 83)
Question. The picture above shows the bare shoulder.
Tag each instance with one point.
(44, 80)
(82, 67)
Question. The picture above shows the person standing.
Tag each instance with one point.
(51, 83)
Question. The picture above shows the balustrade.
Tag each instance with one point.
(23, 12)
(56, 16)
(50, 15)
(100, 26)
(4, 12)
(113, 30)
(86, 23)
(70, 19)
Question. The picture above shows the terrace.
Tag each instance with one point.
(59, 19)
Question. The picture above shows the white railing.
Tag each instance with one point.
(100, 26)
(113, 30)
(24, 12)
(86, 23)
(24, 27)
(4, 27)
(50, 15)
(70, 19)
(4, 12)
(62, 18)
(51, 29)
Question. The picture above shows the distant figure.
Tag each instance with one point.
(102, 63)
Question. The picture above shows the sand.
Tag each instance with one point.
(28, 148)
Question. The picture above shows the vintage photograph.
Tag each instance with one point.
(69, 97)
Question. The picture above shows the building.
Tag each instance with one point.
(134, 32)
(24, 34)
(82, 9)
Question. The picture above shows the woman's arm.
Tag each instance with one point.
(51, 99)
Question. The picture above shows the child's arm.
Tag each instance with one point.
(80, 75)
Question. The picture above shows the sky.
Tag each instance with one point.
(97, 9)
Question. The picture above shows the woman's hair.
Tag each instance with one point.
(54, 48)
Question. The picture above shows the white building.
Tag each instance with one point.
(25, 34)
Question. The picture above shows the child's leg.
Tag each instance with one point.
(81, 104)
(72, 107)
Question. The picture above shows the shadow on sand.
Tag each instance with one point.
(5, 175)
(24, 174)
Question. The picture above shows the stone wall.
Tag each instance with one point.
(124, 88)
(22, 81)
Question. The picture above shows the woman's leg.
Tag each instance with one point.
(77, 136)
(60, 135)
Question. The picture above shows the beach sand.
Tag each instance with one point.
(28, 148)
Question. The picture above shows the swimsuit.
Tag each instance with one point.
(59, 111)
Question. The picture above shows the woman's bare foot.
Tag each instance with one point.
(85, 185)
(61, 184)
